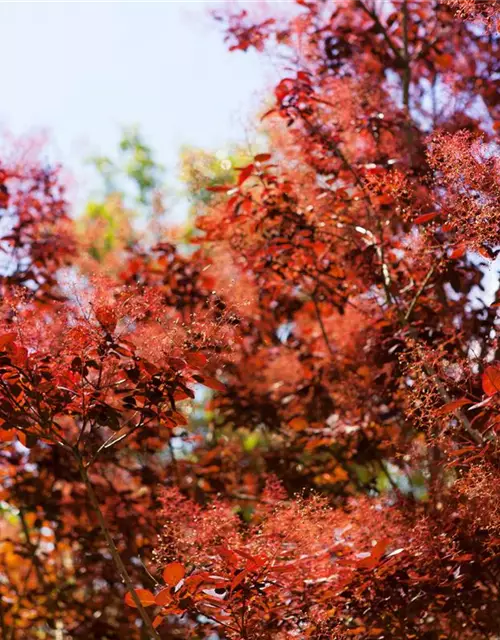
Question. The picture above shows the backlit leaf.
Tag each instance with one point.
(145, 596)
(173, 573)
(491, 380)
(449, 407)
(298, 424)
(426, 217)
(164, 597)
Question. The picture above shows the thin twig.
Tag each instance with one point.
(406, 57)
(322, 326)
(381, 28)
(425, 282)
(2, 620)
(32, 548)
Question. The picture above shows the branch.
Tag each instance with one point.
(387, 281)
(3, 626)
(382, 29)
(462, 418)
(429, 370)
(114, 551)
(322, 326)
(432, 374)
(425, 282)
(32, 548)
(406, 58)
(386, 275)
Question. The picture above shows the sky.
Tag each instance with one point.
(79, 71)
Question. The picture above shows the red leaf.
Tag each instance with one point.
(485, 252)
(193, 583)
(445, 60)
(282, 568)
(146, 598)
(163, 597)
(173, 573)
(196, 360)
(7, 339)
(384, 199)
(179, 418)
(246, 172)
(124, 351)
(220, 188)
(376, 553)
(298, 424)
(459, 452)
(229, 556)
(6, 435)
(458, 252)
(426, 217)
(246, 207)
(449, 407)
(212, 383)
(262, 157)
(255, 563)
(157, 622)
(183, 394)
(491, 380)
(21, 436)
(238, 579)
(106, 317)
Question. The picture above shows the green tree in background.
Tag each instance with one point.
(135, 173)
(131, 192)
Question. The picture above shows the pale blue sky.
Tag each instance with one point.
(80, 70)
